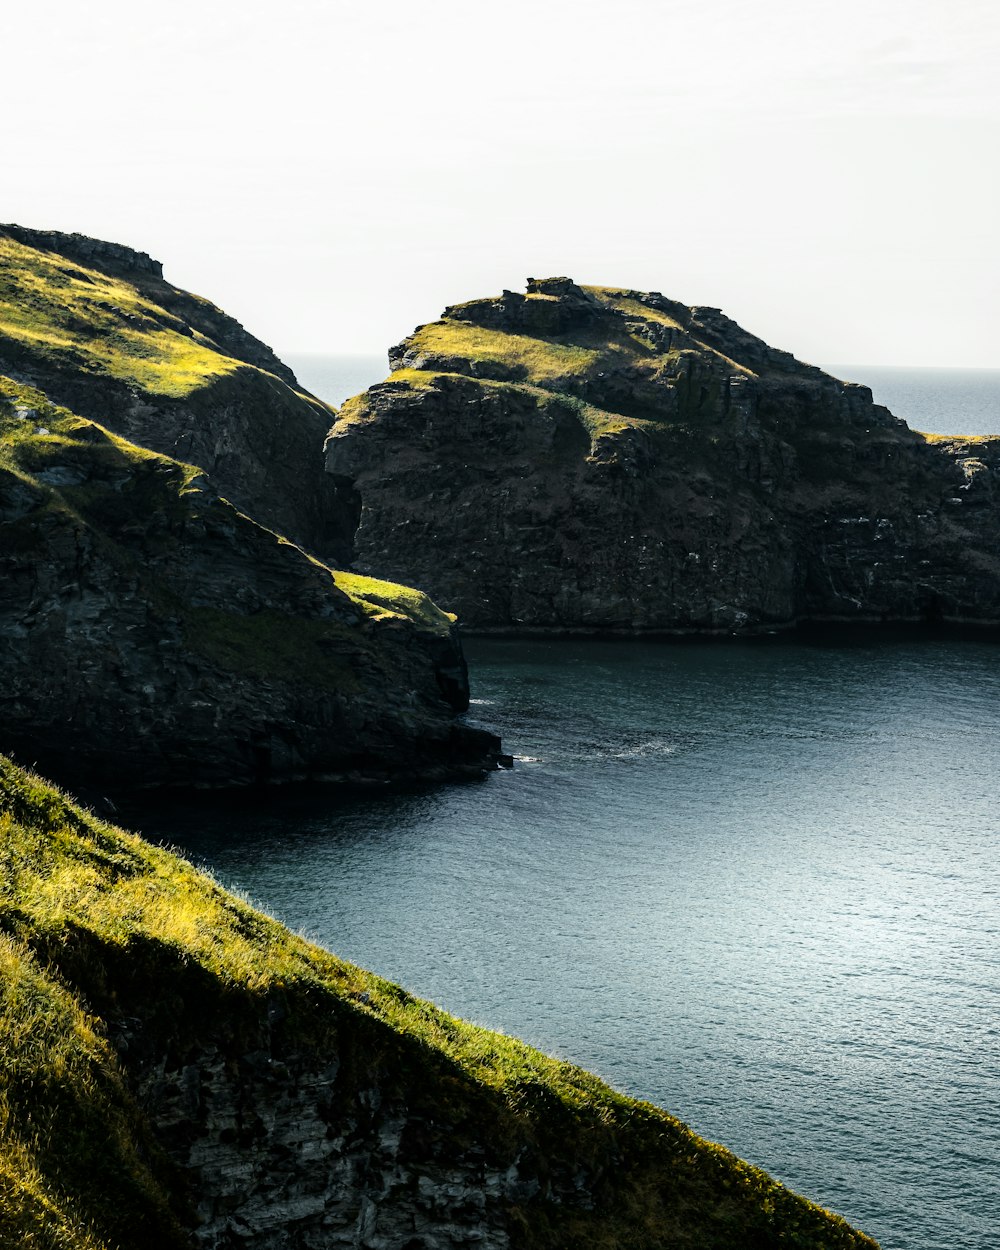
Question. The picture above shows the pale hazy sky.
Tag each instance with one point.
(826, 171)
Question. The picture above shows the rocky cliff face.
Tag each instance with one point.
(97, 328)
(588, 458)
(179, 1071)
(152, 634)
(151, 631)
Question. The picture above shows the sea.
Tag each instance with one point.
(755, 882)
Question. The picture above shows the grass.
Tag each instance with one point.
(938, 440)
(85, 320)
(625, 301)
(96, 919)
(536, 360)
(70, 1135)
(389, 600)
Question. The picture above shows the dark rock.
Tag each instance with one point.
(151, 634)
(612, 461)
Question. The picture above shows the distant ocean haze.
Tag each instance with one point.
(336, 378)
(937, 401)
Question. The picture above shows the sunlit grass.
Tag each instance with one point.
(85, 319)
(386, 599)
(538, 360)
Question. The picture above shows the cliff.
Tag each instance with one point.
(590, 458)
(178, 1070)
(97, 328)
(151, 631)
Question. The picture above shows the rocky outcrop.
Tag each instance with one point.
(152, 631)
(595, 459)
(152, 634)
(98, 329)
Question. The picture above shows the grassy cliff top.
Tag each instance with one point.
(97, 923)
(77, 316)
(551, 336)
(625, 355)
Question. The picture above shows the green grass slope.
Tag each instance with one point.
(77, 467)
(98, 329)
(101, 928)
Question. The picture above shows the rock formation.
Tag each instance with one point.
(151, 632)
(596, 459)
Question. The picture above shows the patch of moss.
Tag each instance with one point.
(384, 600)
(975, 440)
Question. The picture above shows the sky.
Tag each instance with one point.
(825, 171)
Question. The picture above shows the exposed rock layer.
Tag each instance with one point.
(610, 460)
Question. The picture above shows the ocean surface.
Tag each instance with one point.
(755, 882)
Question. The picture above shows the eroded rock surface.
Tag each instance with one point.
(589, 458)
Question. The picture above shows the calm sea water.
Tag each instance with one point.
(757, 883)
(336, 378)
(937, 401)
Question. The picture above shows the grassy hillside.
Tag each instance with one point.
(97, 328)
(106, 937)
(83, 471)
(76, 315)
(156, 634)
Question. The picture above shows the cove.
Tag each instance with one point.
(754, 883)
